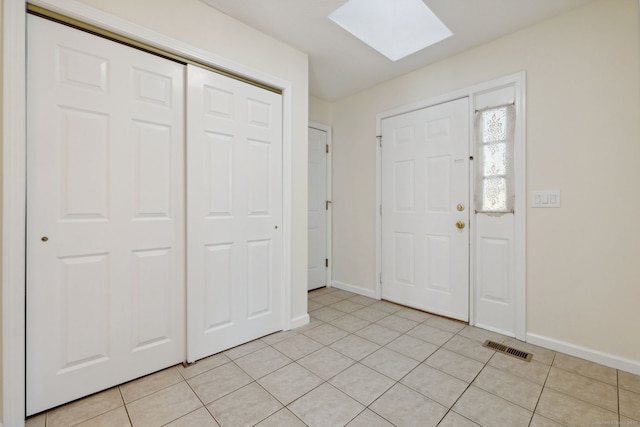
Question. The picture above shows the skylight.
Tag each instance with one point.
(395, 28)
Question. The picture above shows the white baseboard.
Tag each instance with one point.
(355, 289)
(596, 356)
(296, 322)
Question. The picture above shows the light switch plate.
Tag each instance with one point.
(545, 199)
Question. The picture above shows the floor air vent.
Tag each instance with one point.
(514, 352)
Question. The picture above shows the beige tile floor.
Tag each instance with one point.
(362, 362)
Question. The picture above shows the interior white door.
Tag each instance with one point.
(234, 210)
(317, 210)
(105, 222)
(425, 197)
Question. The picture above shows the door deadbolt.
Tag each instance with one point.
(460, 207)
(44, 239)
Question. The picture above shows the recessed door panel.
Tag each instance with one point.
(83, 69)
(438, 183)
(439, 263)
(152, 170)
(152, 293)
(404, 190)
(404, 135)
(84, 164)
(494, 270)
(219, 170)
(218, 102)
(84, 291)
(218, 303)
(152, 87)
(259, 162)
(404, 251)
(259, 277)
(259, 113)
(438, 128)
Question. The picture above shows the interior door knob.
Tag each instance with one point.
(460, 224)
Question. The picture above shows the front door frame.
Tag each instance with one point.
(518, 81)
(14, 172)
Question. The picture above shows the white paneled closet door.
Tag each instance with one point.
(105, 222)
(234, 241)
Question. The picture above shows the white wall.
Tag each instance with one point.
(320, 111)
(193, 22)
(583, 137)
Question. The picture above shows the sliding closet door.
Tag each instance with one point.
(234, 193)
(105, 222)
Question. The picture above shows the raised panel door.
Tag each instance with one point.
(425, 175)
(234, 176)
(105, 223)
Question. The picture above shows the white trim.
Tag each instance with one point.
(329, 212)
(355, 289)
(520, 166)
(14, 167)
(518, 80)
(472, 218)
(297, 322)
(592, 355)
(13, 211)
(287, 204)
(378, 240)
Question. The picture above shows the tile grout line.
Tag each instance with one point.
(618, 395)
(469, 384)
(597, 405)
(126, 408)
(542, 390)
(197, 396)
(288, 364)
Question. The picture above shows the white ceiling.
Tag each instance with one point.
(341, 65)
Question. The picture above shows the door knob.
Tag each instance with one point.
(44, 239)
(460, 224)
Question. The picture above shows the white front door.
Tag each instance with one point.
(317, 209)
(425, 199)
(105, 223)
(234, 191)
